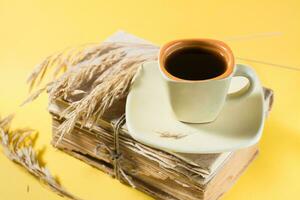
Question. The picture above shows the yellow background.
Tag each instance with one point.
(31, 30)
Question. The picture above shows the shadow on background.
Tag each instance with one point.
(275, 168)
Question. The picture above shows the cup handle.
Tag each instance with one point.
(247, 72)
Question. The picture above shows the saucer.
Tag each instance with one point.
(150, 119)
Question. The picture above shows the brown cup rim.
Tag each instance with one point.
(210, 44)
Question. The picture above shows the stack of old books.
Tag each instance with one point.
(159, 173)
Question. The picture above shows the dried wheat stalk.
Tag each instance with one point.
(92, 78)
(18, 146)
(166, 134)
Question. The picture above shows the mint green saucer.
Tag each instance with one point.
(150, 119)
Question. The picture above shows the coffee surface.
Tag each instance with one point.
(194, 63)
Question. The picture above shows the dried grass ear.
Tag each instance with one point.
(18, 146)
(102, 73)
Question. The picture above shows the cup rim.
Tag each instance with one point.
(210, 44)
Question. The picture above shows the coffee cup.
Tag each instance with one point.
(198, 73)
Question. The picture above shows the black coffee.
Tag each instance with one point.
(194, 63)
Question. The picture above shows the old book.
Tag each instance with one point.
(161, 174)
(164, 175)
